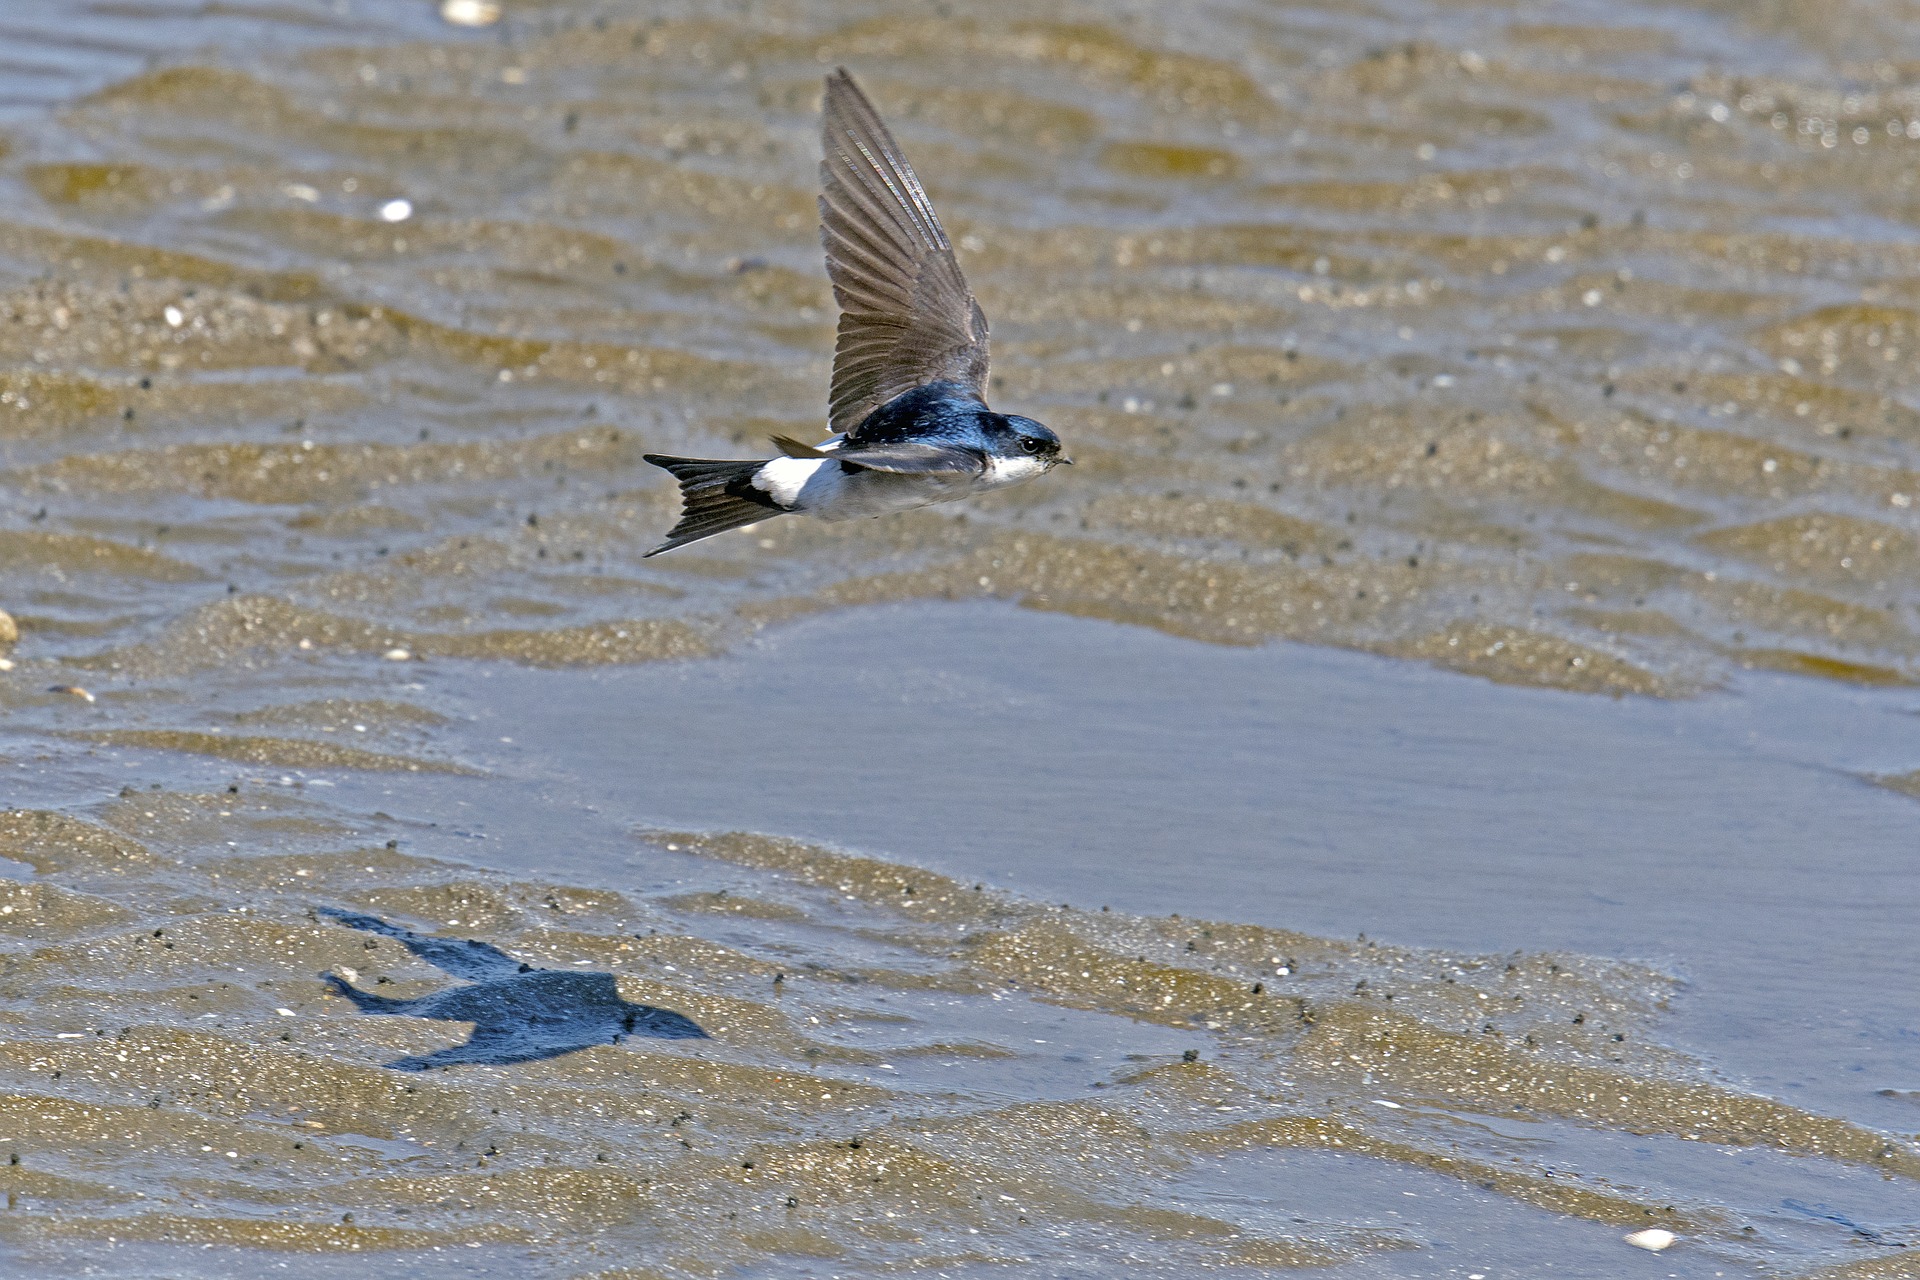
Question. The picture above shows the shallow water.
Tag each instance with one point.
(1466, 1086)
(1566, 349)
(1732, 840)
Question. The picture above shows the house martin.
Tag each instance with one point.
(910, 421)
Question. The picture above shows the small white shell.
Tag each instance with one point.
(1653, 1239)
(470, 13)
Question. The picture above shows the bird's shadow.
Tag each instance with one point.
(519, 1013)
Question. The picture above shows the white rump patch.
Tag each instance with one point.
(782, 479)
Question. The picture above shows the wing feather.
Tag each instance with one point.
(907, 317)
(913, 458)
(900, 457)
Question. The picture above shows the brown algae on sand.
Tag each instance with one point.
(1349, 349)
(173, 1069)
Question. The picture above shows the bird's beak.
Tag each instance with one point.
(1065, 462)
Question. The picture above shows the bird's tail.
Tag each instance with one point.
(715, 497)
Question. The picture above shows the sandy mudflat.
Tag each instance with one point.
(1485, 610)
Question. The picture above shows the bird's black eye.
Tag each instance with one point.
(1029, 444)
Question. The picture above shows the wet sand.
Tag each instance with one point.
(1552, 967)
(1457, 338)
(1734, 840)
(1464, 691)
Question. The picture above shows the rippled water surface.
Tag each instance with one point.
(1569, 347)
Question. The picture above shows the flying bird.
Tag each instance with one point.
(907, 407)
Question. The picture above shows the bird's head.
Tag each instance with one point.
(1025, 438)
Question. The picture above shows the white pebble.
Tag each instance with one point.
(1653, 1239)
(396, 211)
(286, 1013)
(397, 655)
(175, 317)
(470, 13)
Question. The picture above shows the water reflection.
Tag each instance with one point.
(519, 1013)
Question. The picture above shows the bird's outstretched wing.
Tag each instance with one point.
(461, 957)
(907, 317)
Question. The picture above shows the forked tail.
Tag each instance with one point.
(715, 497)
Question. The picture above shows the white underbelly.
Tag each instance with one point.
(822, 487)
(860, 494)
